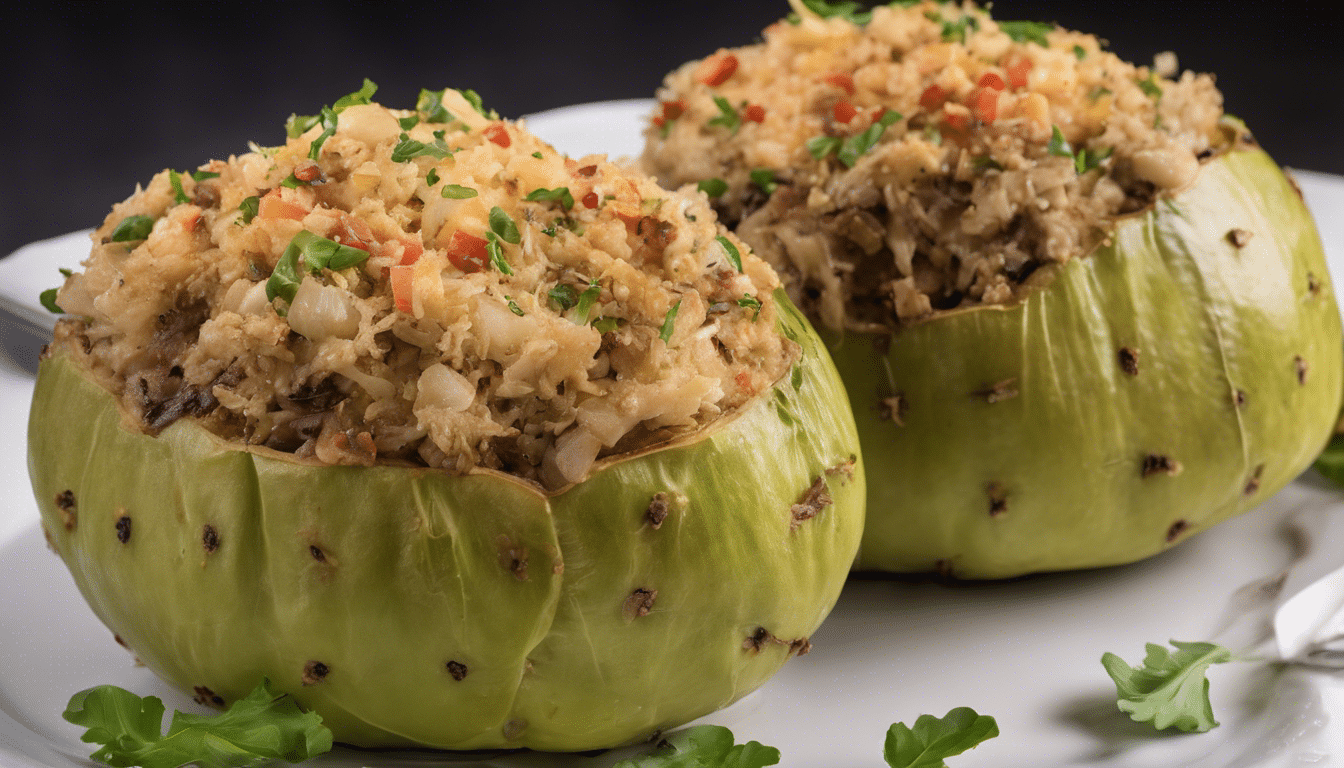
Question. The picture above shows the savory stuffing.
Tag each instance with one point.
(924, 156)
(432, 286)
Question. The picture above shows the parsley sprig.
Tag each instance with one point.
(1169, 689)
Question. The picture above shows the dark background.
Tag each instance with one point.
(99, 96)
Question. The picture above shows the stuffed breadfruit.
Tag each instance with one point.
(460, 441)
(1079, 313)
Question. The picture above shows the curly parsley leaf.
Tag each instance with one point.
(316, 253)
(705, 746)
(935, 738)
(1027, 32)
(363, 96)
(264, 726)
(132, 228)
(328, 121)
(408, 148)
(297, 125)
(1170, 689)
(250, 206)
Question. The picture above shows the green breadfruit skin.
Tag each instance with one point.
(572, 621)
(1169, 381)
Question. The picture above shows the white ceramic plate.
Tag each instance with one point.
(1025, 651)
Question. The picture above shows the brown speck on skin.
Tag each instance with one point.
(512, 558)
(757, 640)
(1176, 529)
(998, 499)
(207, 697)
(514, 728)
(998, 392)
(1313, 285)
(845, 467)
(1292, 182)
(639, 603)
(65, 502)
(1301, 367)
(315, 672)
(943, 568)
(51, 543)
(1238, 237)
(317, 553)
(120, 642)
(657, 511)
(892, 408)
(1239, 398)
(123, 527)
(1157, 464)
(209, 538)
(1253, 484)
(1128, 357)
(457, 670)
(800, 647)
(813, 500)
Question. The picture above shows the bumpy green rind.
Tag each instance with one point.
(383, 575)
(1025, 438)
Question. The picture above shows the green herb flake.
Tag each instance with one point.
(705, 746)
(934, 738)
(1028, 32)
(1058, 146)
(728, 117)
(249, 207)
(496, 252)
(955, 31)
(1170, 689)
(1085, 161)
(179, 194)
(750, 302)
(669, 322)
(502, 225)
(292, 182)
(585, 302)
(1098, 92)
(734, 256)
(432, 177)
(408, 148)
(513, 306)
(712, 187)
(564, 296)
(363, 96)
(607, 324)
(559, 194)
(266, 726)
(458, 192)
(538, 155)
(48, 300)
(203, 175)
(328, 120)
(765, 179)
(985, 163)
(821, 146)
(132, 228)
(297, 125)
(1150, 87)
(316, 253)
(855, 146)
(430, 105)
(407, 123)
(836, 9)
(474, 99)
(1079, 52)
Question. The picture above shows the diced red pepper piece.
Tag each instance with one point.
(673, 109)
(411, 252)
(590, 200)
(844, 111)
(272, 207)
(991, 80)
(716, 71)
(1017, 72)
(932, 98)
(498, 134)
(840, 80)
(467, 252)
(754, 112)
(402, 279)
(956, 121)
(985, 105)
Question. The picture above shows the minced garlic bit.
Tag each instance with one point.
(926, 156)
(436, 287)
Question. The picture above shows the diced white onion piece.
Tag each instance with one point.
(575, 452)
(442, 387)
(321, 311)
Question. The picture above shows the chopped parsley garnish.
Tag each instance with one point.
(297, 125)
(430, 105)
(607, 324)
(538, 155)
(1079, 52)
(458, 192)
(1098, 92)
(48, 300)
(1085, 161)
(328, 121)
(728, 117)
(564, 296)
(496, 252)
(363, 96)
(474, 99)
(670, 322)
(712, 187)
(407, 123)
(502, 225)
(132, 228)
(249, 207)
(203, 175)
(734, 256)
(1030, 32)
(179, 195)
(585, 302)
(765, 179)
(843, 9)
(408, 148)
(855, 146)
(985, 162)
(559, 194)
(750, 302)
(513, 306)
(955, 31)
(316, 253)
(1058, 146)
(821, 146)
(1150, 87)
(432, 177)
